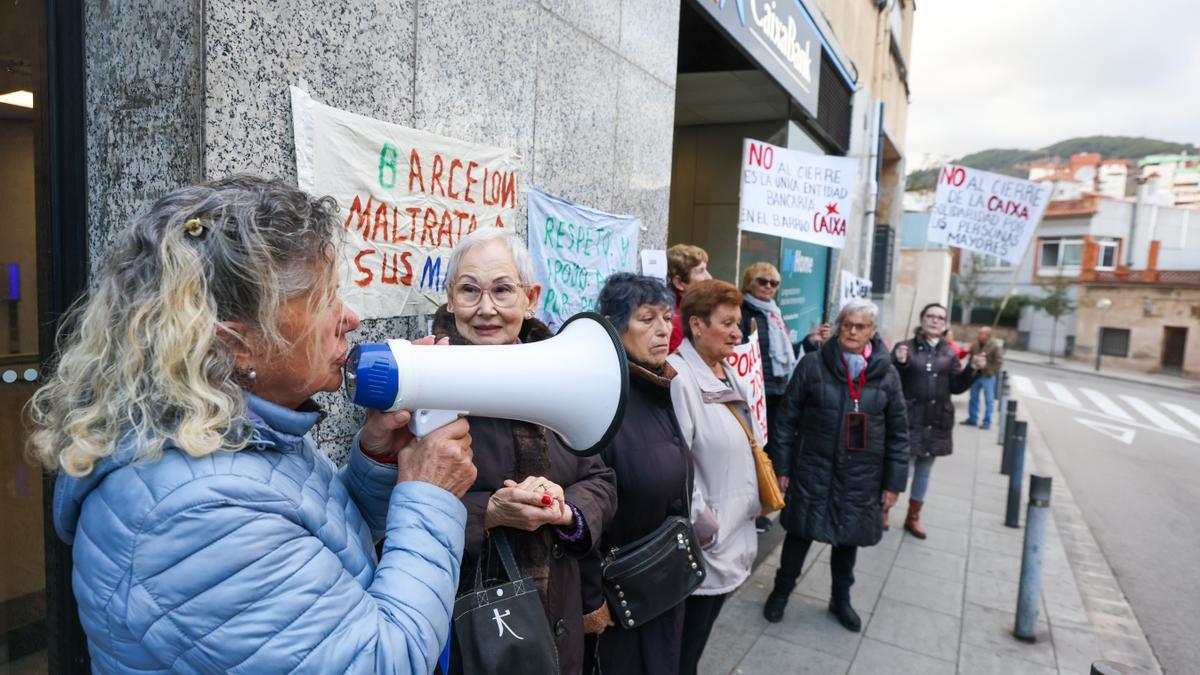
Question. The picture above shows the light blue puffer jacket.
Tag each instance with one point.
(261, 560)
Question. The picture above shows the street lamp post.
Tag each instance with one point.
(1103, 305)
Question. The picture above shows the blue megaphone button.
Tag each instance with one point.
(372, 379)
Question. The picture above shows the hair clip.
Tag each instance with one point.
(194, 227)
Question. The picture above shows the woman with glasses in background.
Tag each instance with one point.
(555, 504)
(931, 372)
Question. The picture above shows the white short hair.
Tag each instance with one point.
(857, 306)
(483, 235)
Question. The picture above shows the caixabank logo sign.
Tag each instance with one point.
(778, 34)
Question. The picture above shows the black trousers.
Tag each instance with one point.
(791, 563)
(699, 614)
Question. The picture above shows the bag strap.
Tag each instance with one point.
(742, 423)
(499, 538)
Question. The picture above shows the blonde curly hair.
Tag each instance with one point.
(140, 359)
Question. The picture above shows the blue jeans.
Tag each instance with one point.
(922, 467)
(988, 386)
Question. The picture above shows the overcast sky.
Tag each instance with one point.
(1028, 73)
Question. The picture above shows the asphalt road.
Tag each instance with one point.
(1131, 456)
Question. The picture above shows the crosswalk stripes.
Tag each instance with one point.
(1145, 414)
(1151, 413)
(1062, 393)
(1187, 415)
(1106, 404)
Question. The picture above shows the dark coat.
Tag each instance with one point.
(654, 480)
(834, 495)
(775, 386)
(929, 377)
(505, 449)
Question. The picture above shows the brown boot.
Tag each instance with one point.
(912, 522)
(886, 524)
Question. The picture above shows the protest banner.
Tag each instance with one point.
(406, 198)
(986, 212)
(575, 249)
(794, 194)
(746, 361)
(852, 287)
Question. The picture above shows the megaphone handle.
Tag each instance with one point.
(424, 422)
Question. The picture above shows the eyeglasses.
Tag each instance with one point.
(769, 283)
(503, 295)
(857, 327)
(935, 317)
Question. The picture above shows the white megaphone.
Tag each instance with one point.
(574, 383)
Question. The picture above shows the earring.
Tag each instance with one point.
(529, 314)
(251, 374)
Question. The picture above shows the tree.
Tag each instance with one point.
(969, 283)
(1057, 303)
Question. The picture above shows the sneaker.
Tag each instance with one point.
(773, 610)
(762, 524)
(968, 423)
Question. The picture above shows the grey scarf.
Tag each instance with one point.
(783, 359)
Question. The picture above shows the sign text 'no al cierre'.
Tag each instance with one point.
(986, 212)
(796, 195)
(406, 198)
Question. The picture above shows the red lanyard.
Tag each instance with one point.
(855, 392)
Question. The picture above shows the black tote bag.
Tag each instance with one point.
(502, 628)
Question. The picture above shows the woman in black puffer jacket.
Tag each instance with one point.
(837, 481)
(930, 371)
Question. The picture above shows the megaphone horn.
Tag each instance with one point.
(575, 383)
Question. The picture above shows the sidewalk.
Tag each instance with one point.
(946, 604)
(1060, 363)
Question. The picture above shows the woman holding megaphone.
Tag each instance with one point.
(557, 503)
(210, 533)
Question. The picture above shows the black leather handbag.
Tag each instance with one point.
(649, 576)
(502, 628)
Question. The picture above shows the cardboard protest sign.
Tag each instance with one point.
(986, 212)
(575, 249)
(794, 194)
(852, 287)
(746, 361)
(406, 197)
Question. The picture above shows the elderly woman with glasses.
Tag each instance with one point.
(554, 503)
(843, 456)
(930, 371)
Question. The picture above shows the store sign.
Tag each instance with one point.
(777, 35)
(802, 268)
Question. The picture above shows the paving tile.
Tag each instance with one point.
(737, 629)
(998, 565)
(807, 622)
(938, 519)
(992, 629)
(772, 655)
(876, 657)
(989, 591)
(956, 541)
(1010, 542)
(915, 628)
(974, 660)
(871, 559)
(925, 591)
(915, 556)
(863, 594)
(993, 521)
(1074, 649)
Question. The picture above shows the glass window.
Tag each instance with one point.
(1107, 258)
(1114, 341)
(1049, 257)
(22, 556)
(991, 262)
(1060, 256)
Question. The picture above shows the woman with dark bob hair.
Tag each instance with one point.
(210, 533)
(715, 418)
(653, 468)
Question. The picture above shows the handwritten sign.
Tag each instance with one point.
(797, 195)
(986, 212)
(406, 197)
(746, 361)
(851, 288)
(575, 249)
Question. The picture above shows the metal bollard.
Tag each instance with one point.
(1012, 514)
(1029, 594)
(1001, 402)
(1010, 417)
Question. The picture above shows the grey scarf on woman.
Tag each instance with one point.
(779, 342)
